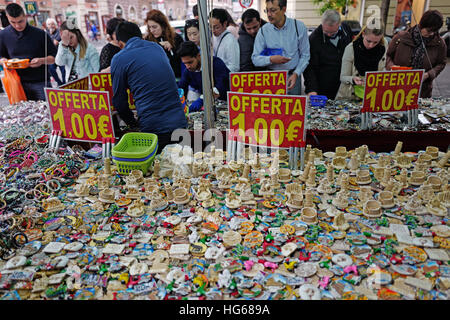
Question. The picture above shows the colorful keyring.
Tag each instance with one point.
(253, 239)
(416, 253)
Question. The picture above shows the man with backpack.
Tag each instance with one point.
(282, 44)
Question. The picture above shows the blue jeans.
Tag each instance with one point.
(54, 74)
(35, 90)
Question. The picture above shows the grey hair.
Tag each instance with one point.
(50, 20)
(331, 17)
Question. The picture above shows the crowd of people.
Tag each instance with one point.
(154, 64)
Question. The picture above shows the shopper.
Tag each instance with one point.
(112, 47)
(327, 45)
(192, 31)
(94, 31)
(22, 41)
(74, 52)
(225, 45)
(3, 20)
(160, 31)
(152, 85)
(192, 75)
(53, 32)
(195, 11)
(282, 44)
(420, 47)
(366, 53)
(251, 23)
(232, 26)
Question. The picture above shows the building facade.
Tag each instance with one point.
(99, 11)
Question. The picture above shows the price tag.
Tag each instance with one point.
(80, 84)
(80, 115)
(264, 82)
(392, 91)
(267, 120)
(103, 82)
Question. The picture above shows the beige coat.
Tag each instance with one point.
(348, 71)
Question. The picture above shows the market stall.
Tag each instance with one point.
(366, 217)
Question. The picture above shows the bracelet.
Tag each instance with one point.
(30, 194)
(11, 195)
(41, 188)
(73, 173)
(11, 171)
(60, 171)
(51, 185)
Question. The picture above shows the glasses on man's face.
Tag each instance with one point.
(271, 10)
(331, 34)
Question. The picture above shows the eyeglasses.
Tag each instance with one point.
(271, 10)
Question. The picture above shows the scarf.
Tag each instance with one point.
(367, 59)
(419, 48)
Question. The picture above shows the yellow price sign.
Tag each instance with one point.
(259, 82)
(80, 115)
(271, 120)
(392, 91)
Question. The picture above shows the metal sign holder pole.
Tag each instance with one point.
(296, 151)
(229, 145)
(291, 158)
(205, 46)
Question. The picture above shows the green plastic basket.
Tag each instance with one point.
(135, 145)
(125, 167)
(135, 151)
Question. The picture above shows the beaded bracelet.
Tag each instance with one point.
(11, 195)
(51, 185)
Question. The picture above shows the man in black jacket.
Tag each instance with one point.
(327, 45)
(251, 23)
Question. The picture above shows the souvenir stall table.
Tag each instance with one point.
(355, 224)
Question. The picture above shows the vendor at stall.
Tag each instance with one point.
(192, 75)
(152, 85)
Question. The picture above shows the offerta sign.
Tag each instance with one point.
(103, 82)
(80, 84)
(264, 82)
(392, 91)
(267, 120)
(80, 115)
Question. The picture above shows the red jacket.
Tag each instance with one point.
(400, 51)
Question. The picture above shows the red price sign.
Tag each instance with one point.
(392, 91)
(268, 120)
(246, 3)
(80, 84)
(265, 82)
(80, 115)
(103, 82)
